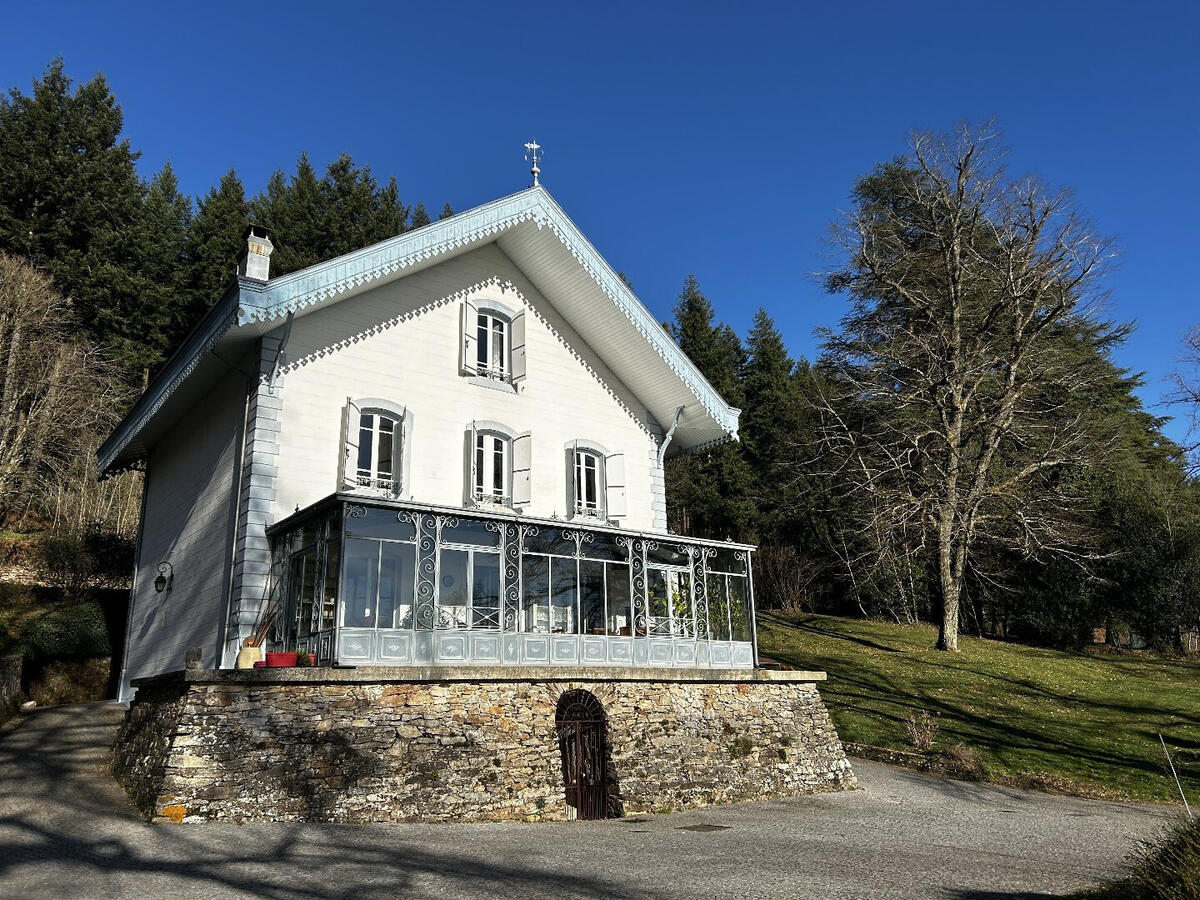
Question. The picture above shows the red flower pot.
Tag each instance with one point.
(280, 660)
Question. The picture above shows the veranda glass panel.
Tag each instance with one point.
(682, 624)
(620, 614)
(485, 590)
(360, 573)
(535, 593)
(333, 568)
(738, 608)
(296, 588)
(605, 546)
(471, 531)
(550, 540)
(563, 614)
(718, 608)
(658, 599)
(667, 554)
(591, 596)
(452, 589)
(310, 594)
(396, 573)
(377, 522)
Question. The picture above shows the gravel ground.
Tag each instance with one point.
(66, 830)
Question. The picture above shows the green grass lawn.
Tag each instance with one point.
(1078, 722)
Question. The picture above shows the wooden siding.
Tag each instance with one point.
(401, 341)
(189, 517)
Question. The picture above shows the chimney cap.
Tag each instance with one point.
(258, 231)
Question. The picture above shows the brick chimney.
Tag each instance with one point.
(255, 261)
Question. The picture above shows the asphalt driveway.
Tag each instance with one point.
(66, 830)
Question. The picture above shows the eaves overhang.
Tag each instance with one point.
(254, 308)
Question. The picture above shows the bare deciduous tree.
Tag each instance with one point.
(973, 320)
(57, 395)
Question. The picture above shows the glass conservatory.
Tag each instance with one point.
(371, 582)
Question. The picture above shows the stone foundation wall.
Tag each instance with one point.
(328, 745)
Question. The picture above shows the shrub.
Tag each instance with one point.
(78, 564)
(922, 728)
(1168, 870)
(76, 631)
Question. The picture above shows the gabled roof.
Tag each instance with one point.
(535, 234)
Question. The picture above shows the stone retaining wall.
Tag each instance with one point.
(327, 745)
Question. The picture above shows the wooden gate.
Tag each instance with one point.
(581, 726)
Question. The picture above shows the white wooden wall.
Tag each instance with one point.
(401, 342)
(189, 515)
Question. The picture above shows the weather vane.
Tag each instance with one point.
(533, 154)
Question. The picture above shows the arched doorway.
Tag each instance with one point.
(580, 722)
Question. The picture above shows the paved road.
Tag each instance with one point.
(66, 831)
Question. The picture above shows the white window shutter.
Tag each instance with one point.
(518, 347)
(348, 470)
(469, 470)
(522, 470)
(470, 338)
(400, 450)
(614, 486)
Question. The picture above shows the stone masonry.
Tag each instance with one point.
(398, 745)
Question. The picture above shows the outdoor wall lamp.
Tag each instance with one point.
(165, 579)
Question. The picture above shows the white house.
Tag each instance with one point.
(446, 448)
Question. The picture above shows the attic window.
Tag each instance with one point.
(493, 342)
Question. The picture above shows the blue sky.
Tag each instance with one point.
(717, 139)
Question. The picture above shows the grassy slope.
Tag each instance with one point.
(1033, 715)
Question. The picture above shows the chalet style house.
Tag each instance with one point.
(445, 449)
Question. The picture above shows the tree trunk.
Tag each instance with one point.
(951, 588)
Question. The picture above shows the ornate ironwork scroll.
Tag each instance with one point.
(580, 538)
(427, 541)
(637, 569)
(700, 580)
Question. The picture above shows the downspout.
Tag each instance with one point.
(662, 448)
(237, 521)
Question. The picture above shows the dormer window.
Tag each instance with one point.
(375, 453)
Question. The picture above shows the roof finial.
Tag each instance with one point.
(532, 153)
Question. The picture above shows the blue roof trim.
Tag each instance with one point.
(325, 281)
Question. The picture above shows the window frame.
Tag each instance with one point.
(485, 473)
(372, 481)
(486, 320)
(580, 507)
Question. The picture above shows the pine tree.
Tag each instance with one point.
(771, 420)
(162, 245)
(294, 213)
(446, 212)
(214, 245)
(708, 492)
(420, 218)
(70, 201)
